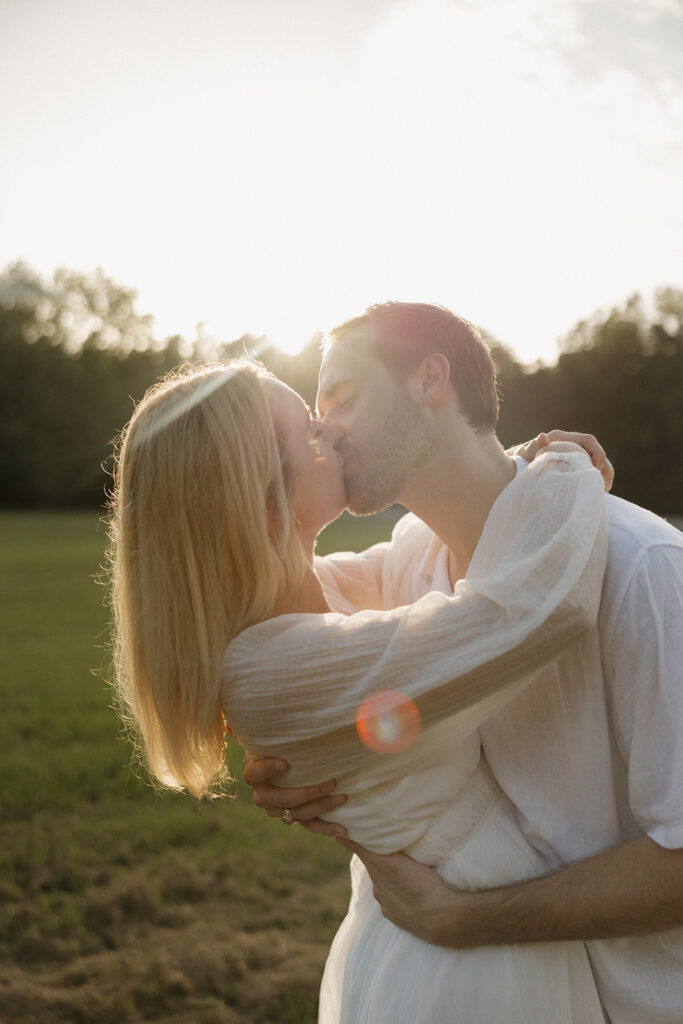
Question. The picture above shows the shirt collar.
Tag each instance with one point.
(433, 566)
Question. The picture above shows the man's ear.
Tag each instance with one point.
(430, 380)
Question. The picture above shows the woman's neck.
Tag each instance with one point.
(307, 597)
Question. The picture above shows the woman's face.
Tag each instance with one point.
(313, 465)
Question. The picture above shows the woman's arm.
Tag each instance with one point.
(532, 590)
(354, 581)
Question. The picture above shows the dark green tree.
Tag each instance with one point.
(619, 376)
(74, 354)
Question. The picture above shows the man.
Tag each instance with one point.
(591, 754)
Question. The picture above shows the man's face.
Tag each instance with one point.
(386, 435)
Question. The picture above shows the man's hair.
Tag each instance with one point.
(407, 332)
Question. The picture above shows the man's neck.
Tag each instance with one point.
(456, 491)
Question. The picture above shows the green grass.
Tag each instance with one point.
(353, 533)
(118, 903)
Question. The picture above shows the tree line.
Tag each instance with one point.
(75, 355)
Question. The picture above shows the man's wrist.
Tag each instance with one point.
(452, 924)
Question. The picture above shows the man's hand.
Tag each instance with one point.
(630, 889)
(413, 897)
(588, 442)
(307, 804)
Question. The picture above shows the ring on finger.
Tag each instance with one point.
(287, 817)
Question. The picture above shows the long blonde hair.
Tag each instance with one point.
(201, 546)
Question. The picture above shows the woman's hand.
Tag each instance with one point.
(588, 442)
(307, 803)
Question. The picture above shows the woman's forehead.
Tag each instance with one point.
(286, 406)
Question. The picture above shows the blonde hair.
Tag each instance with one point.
(201, 546)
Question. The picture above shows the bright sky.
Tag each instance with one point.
(273, 166)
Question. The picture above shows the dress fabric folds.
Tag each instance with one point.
(378, 973)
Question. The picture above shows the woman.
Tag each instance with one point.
(223, 481)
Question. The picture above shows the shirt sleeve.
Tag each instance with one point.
(294, 686)
(353, 581)
(647, 686)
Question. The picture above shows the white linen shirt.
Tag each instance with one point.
(591, 752)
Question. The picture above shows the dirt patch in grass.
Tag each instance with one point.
(172, 942)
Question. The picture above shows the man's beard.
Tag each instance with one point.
(401, 443)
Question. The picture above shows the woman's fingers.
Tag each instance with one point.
(308, 804)
(261, 769)
(530, 450)
(588, 442)
(591, 445)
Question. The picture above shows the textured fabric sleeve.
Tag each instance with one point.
(353, 582)
(293, 686)
(647, 687)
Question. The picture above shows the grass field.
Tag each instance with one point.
(118, 904)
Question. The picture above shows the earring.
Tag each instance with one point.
(298, 525)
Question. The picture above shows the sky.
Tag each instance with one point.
(274, 166)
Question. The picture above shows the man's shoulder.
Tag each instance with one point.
(640, 544)
(634, 530)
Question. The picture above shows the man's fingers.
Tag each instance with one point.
(374, 862)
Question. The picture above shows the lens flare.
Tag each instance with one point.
(388, 721)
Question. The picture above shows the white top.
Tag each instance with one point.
(591, 753)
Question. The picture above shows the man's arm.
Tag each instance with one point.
(632, 889)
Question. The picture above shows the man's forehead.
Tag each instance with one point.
(351, 358)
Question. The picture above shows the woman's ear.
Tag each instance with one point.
(431, 378)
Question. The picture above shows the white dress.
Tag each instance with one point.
(296, 686)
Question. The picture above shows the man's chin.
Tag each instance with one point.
(363, 507)
(367, 496)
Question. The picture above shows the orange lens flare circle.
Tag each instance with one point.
(388, 721)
